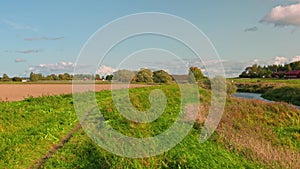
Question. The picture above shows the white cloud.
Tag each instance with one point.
(284, 15)
(68, 67)
(60, 67)
(295, 59)
(105, 70)
(280, 60)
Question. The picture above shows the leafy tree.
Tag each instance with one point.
(61, 77)
(65, 76)
(195, 74)
(144, 75)
(123, 75)
(109, 77)
(35, 77)
(5, 78)
(296, 65)
(82, 77)
(256, 71)
(161, 76)
(230, 87)
(97, 77)
(268, 74)
(16, 79)
(68, 76)
(254, 68)
(53, 77)
(220, 83)
(289, 68)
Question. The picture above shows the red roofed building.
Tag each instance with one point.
(279, 74)
(292, 74)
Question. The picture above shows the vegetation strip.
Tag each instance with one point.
(62, 142)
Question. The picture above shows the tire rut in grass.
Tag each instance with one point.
(55, 148)
(62, 142)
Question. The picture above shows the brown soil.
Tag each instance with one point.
(16, 92)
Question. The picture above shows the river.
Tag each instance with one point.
(253, 96)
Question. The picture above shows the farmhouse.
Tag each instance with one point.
(293, 74)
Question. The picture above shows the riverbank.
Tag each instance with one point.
(271, 89)
(256, 96)
(287, 94)
(246, 95)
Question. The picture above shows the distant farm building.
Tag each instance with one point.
(25, 79)
(292, 74)
(279, 74)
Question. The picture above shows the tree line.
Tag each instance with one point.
(160, 76)
(143, 75)
(52, 77)
(267, 71)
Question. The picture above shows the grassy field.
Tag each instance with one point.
(252, 134)
(266, 80)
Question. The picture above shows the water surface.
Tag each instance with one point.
(253, 96)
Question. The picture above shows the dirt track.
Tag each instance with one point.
(15, 92)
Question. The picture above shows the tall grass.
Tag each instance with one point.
(287, 94)
(258, 130)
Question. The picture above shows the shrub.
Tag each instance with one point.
(144, 75)
(195, 74)
(161, 76)
(123, 75)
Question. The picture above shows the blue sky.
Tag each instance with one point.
(46, 37)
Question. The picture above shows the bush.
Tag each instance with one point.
(231, 88)
(16, 79)
(205, 83)
(195, 74)
(144, 75)
(123, 75)
(161, 76)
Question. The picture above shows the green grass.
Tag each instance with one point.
(81, 152)
(287, 94)
(29, 128)
(265, 80)
(279, 121)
